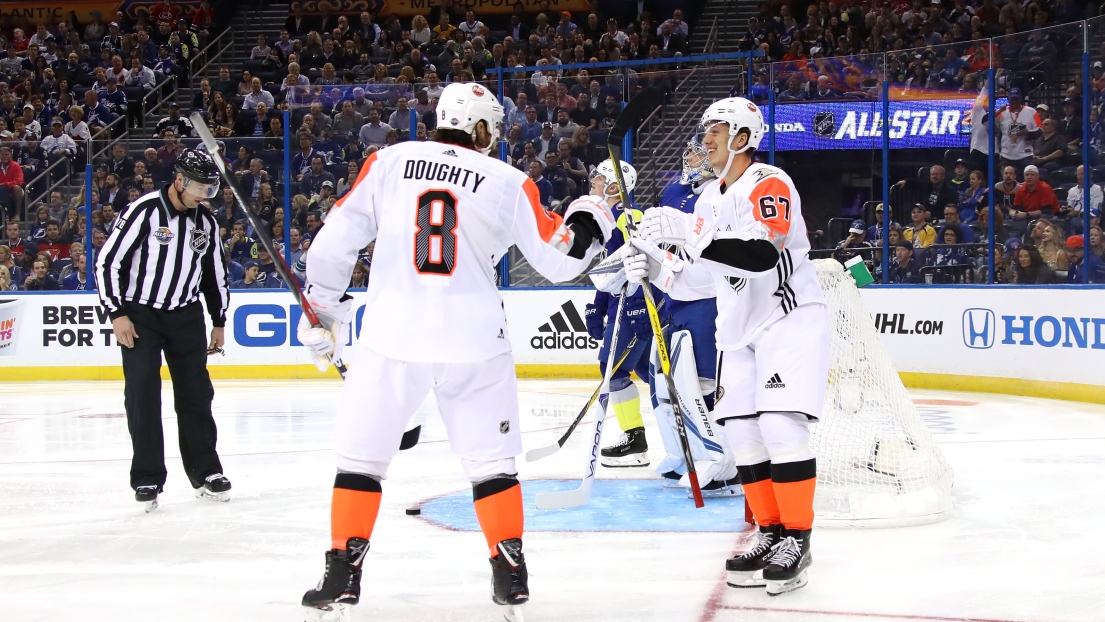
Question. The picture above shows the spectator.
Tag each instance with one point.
(250, 278)
(973, 199)
(1006, 190)
(1018, 126)
(373, 132)
(266, 269)
(1034, 199)
(904, 268)
(1038, 54)
(1029, 269)
(546, 141)
(936, 193)
(951, 221)
(609, 113)
(254, 175)
(331, 152)
(1080, 263)
(1049, 148)
(301, 161)
(345, 183)
(170, 148)
(240, 246)
(312, 182)
(401, 119)
(1072, 213)
(11, 183)
(348, 121)
(56, 206)
(121, 164)
(920, 233)
(443, 32)
(948, 252)
(257, 95)
(531, 127)
(324, 199)
(874, 232)
(261, 50)
(559, 180)
(544, 187)
(40, 279)
(10, 274)
(180, 126)
(1051, 245)
(960, 181)
(77, 281)
(360, 273)
(52, 244)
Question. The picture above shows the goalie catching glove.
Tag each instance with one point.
(658, 265)
(668, 225)
(326, 342)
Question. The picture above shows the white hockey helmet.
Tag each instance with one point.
(740, 114)
(609, 176)
(696, 165)
(463, 105)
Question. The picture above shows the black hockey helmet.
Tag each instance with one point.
(198, 166)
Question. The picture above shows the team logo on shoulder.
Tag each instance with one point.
(736, 282)
(504, 427)
(199, 240)
(720, 393)
(163, 235)
(764, 173)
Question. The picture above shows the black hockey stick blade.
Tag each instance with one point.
(634, 112)
(410, 438)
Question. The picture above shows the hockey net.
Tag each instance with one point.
(877, 463)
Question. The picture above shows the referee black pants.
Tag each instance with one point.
(181, 335)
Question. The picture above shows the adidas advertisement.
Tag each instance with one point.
(565, 329)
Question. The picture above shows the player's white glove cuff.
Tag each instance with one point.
(659, 265)
(327, 341)
(597, 208)
(609, 274)
(668, 225)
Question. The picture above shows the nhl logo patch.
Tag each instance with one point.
(198, 241)
(504, 427)
(824, 124)
(163, 235)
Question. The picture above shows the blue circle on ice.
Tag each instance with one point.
(615, 505)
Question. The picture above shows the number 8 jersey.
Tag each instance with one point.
(442, 216)
(762, 205)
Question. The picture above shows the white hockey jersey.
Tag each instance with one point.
(762, 204)
(442, 216)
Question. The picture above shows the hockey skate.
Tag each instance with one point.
(631, 450)
(787, 567)
(510, 579)
(340, 586)
(747, 569)
(147, 495)
(215, 487)
(718, 488)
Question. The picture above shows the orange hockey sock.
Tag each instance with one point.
(758, 491)
(353, 511)
(794, 484)
(499, 509)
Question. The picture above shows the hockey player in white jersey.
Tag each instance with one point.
(747, 240)
(442, 213)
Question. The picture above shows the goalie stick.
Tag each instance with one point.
(631, 116)
(563, 499)
(199, 124)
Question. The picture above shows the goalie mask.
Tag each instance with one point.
(696, 164)
(605, 174)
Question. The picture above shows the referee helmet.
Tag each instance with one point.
(198, 167)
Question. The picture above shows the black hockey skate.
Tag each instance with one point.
(215, 487)
(510, 579)
(147, 495)
(340, 586)
(631, 450)
(790, 557)
(746, 569)
(718, 488)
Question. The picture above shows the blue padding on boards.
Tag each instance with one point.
(615, 505)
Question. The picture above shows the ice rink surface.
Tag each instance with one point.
(1023, 545)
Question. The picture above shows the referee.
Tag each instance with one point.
(164, 252)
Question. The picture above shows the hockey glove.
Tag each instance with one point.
(326, 342)
(609, 275)
(636, 317)
(594, 319)
(596, 208)
(668, 225)
(659, 265)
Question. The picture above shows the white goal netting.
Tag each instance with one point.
(877, 463)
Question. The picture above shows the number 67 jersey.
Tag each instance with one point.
(442, 216)
(762, 205)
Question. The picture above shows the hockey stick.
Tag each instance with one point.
(543, 452)
(199, 124)
(633, 113)
(563, 499)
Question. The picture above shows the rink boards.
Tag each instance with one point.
(1046, 342)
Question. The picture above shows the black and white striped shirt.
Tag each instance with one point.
(163, 258)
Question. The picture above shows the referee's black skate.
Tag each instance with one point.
(147, 495)
(631, 450)
(340, 586)
(790, 557)
(746, 569)
(510, 579)
(215, 487)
